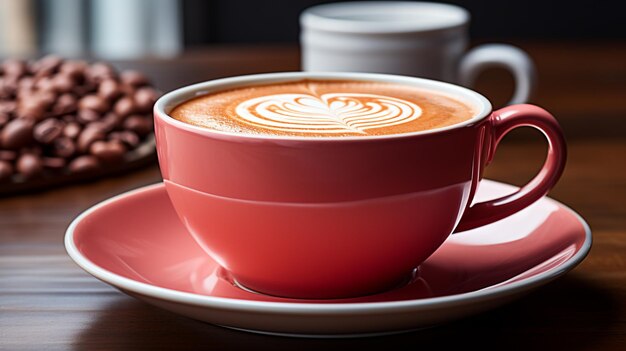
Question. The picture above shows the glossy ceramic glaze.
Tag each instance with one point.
(136, 243)
(266, 207)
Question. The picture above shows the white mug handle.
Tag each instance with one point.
(500, 55)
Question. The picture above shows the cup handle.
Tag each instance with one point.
(502, 122)
(500, 55)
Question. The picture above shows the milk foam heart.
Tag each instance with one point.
(323, 108)
(327, 113)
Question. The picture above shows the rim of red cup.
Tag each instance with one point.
(298, 307)
(174, 98)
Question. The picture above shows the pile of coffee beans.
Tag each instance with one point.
(67, 116)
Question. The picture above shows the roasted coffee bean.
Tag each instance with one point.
(8, 107)
(87, 116)
(144, 99)
(138, 124)
(6, 170)
(5, 93)
(13, 82)
(14, 68)
(72, 130)
(29, 165)
(84, 163)
(47, 65)
(31, 108)
(48, 130)
(39, 100)
(133, 78)
(90, 134)
(128, 90)
(45, 84)
(4, 119)
(8, 155)
(8, 88)
(12, 79)
(17, 133)
(93, 102)
(55, 163)
(127, 137)
(100, 71)
(73, 68)
(25, 84)
(101, 125)
(109, 89)
(124, 106)
(111, 121)
(47, 98)
(66, 103)
(23, 94)
(63, 147)
(96, 146)
(63, 83)
(108, 151)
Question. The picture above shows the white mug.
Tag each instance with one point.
(421, 39)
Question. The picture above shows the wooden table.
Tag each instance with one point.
(47, 302)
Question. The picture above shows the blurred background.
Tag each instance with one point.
(126, 29)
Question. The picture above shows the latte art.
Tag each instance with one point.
(327, 113)
(323, 108)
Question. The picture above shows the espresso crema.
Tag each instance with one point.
(323, 108)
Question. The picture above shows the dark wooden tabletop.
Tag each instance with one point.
(47, 302)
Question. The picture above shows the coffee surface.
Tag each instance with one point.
(323, 108)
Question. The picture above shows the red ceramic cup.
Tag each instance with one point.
(334, 217)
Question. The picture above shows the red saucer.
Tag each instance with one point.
(136, 243)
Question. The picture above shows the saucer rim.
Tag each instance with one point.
(166, 294)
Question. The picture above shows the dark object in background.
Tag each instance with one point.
(250, 21)
(61, 119)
